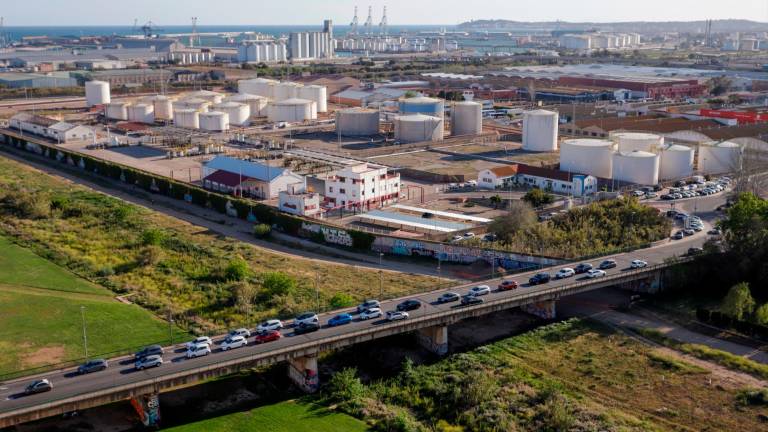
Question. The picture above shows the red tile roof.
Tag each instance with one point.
(504, 171)
(227, 178)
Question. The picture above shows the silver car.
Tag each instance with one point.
(149, 361)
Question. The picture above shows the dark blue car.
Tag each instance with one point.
(341, 319)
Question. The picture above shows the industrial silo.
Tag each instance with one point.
(418, 128)
(210, 96)
(97, 93)
(238, 113)
(187, 118)
(258, 104)
(258, 86)
(466, 118)
(357, 122)
(587, 156)
(676, 162)
(422, 105)
(721, 158)
(540, 131)
(141, 113)
(198, 105)
(163, 106)
(640, 141)
(317, 94)
(214, 121)
(287, 90)
(117, 110)
(637, 167)
(292, 110)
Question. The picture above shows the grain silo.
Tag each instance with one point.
(317, 94)
(676, 162)
(637, 167)
(214, 121)
(97, 93)
(292, 110)
(422, 105)
(258, 86)
(637, 141)
(117, 110)
(540, 131)
(186, 118)
(721, 158)
(587, 156)
(238, 113)
(357, 122)
(141, 113)
(466, 118)
(258, 104)
(418, 128)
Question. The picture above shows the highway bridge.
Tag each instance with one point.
(431, 323)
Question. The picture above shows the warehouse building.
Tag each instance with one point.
(61, 132)
(29, 80)
(244, 178)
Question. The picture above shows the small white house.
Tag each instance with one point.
(301, 204)
(498, 177)
(64, 132)
(543, 178)
(61, 132)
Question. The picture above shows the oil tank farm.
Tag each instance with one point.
(286, 90)
(209, 96)
(198, 105)
(292, 110)
(317, 94)
(141, 113)
(214, 121)
(163, 106)
(97, 93)
(637, 141)
(117, 110)
(540, 131)
(587, 156)
(418, 128)
(258, 86)
(357, 122)
(422, 105)
(720, 158)
(258, 104)
(238, 113)
(636, 167)
(187, 118)
(676, 162)
(466, 118)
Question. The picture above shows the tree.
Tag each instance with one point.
(538, 198)
(410, 94)
(761, 314)
(738, 303)
(521, 217)
(277, 283)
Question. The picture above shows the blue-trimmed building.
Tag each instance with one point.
(253, 179)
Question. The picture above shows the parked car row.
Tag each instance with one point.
(696, 189)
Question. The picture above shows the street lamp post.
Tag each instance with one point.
(170, 326)
(381, 276)
(85, 333)
(317, 290)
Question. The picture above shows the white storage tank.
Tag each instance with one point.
(287, 90)
(258, 86)
(186, 118)
(292, 110)
(258, 104)
(357, 122)
(141, 113)
(238, 113)
(163, 106)
(418, 128)
(214, 121)
(210, 96)
(630, 141)
(97, 93)
(676, 162)
(587, 156)
(117, 110)
(466, 118)
(198, 105)
(721, 158)
(317, 94)
(423, 105)
(540, 131)
(637, 167)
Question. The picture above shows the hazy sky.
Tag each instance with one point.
(263, 12)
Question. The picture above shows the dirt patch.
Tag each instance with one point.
(43, 356)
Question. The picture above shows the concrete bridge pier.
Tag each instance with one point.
(148, 408)
(435, 339)
(303, 372)
(545, 310)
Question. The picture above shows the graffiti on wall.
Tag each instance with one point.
(544, 310)
(148, 408)
(330, 235)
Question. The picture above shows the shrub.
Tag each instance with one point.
(738, 303)
(341, 300)
(152, 236)
(262, 230)
(237, 270)
(277, 284)
(538, 198)
(26, 204)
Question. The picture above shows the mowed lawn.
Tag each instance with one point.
(40, 315)
(289, 416)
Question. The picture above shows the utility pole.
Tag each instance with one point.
(170, 326)
(381, 276)
(85, 332)
(317, 290)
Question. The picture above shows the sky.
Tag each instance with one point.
(448, 12)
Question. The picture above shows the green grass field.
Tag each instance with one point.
(289, 416)
(40, 319)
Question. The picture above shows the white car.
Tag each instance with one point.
(200, 340)
(396, 315)
(244, 332)
(565, 273)
(198, 350)
(306, 318)
(480, 290)
(638, 264)
(232, 342)
(370, 313)
(457, 238)
(595, 273)
(273, 324)
(469, 235)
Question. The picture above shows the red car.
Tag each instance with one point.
(267, 336)
(508, 285)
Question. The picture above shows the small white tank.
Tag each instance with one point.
(587, 156)
(418, 128)
(97, 93)
(357, 122)
(198, 105)
(317, 94)
(238, 113)
(637, 141)
(117, 110)
(721, 158)
(676, 162)
(187, 118)
(214, 121)
(466, 119)
(212, 97)
(286, 90)
(141, 113)
(540, 131)
(258, 104)
(637, 167)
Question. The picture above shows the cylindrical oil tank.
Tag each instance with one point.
(187, 118)
(258, 86)
(466, 119)
(721, 158)
(163, 106)
(292, 110)
(357, 122)
(258, 104)
(117, 110)
(540, 131)
(238, 113)
(198, 105)
(287, 90)
(212, 97)
(637, 167)
(418, 128)
(423, 105)
(676, 162)
(630, 141)
(317, 94)
(141, 113)
(97, 93)
(587, 156)
(214, 121)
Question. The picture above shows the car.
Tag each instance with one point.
(427, 215)
(199, 350)
(340, 319)
(38, 386)
(638, 264)
(539, 278)
(508, 285)
(607, 264)
(697, 228)
(469, 235)
(408, 305)
(148, 362)
(448, 297)
(267, 336)
(244, 332)
(397, 315)
(650, 195)
(469, 300)
(638, 193)
(273, 324)
(148, 351)
(671, 213)
(676, 196)
(695, 251)
(457, 238)
(232, 342)
(689, 232)
(370, 313)
(490, 237)
(368, 304)
(92, 366)
(305, 328)
(479, 290)
(565, 273)
(678, 235)
(667, 197)
(306, 318)
(714, 232)
(595, 273)
(681, 216)
(199, 340)
(583, 268)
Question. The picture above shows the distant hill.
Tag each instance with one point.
(718, 26)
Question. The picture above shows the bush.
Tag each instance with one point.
(152, 236)
(237, 270)
(262, 230)
(538, 198)
(277, 284)
(26, 204)
(341, 300)
(346, 389)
